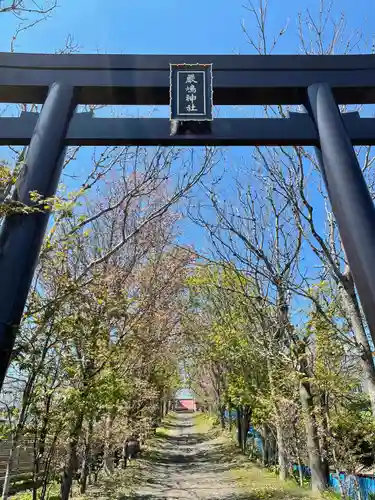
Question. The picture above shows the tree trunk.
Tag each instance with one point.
(47, 467)
(299, 465)
(318, 478)
(265, 445)
(124, 458)
(71, 465)
(161, 414)
(246, 416)
(16, 436)
(354, 315)
(222, 417)
(297, 451)
(41, 443)
(324, 446)
(108, 457)
(243, 432)
(230, 422)
(239, 421)
(161, 408)
(273, 453)
(86, 458)
(281, 451)
(8, 473)
(16, 439)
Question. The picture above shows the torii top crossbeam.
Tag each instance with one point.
(144, 80)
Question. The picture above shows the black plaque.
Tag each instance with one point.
(191, 92)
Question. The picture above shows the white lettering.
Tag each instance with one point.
(191, 78)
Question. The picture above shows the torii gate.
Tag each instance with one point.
(61, 82)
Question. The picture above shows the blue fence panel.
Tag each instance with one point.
(233, 414)
(350, 483)
(259, 444)
(306, 471)
(367, 485)
(347, 484)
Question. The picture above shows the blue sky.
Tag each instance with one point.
(177, 27)
(169, 26)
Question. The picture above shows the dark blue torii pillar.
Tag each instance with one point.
(22, 235)
(347, 190)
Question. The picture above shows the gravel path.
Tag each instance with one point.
(187, 465)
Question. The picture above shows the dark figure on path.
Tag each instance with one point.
(130, 450)
(132, 447)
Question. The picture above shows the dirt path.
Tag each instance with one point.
(188, 459)
(186, 465)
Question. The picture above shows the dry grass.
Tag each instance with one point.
(204, 424)
(166, 429)
(258, 484)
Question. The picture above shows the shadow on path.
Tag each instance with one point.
(185, 465)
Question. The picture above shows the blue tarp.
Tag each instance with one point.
(349, 484)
